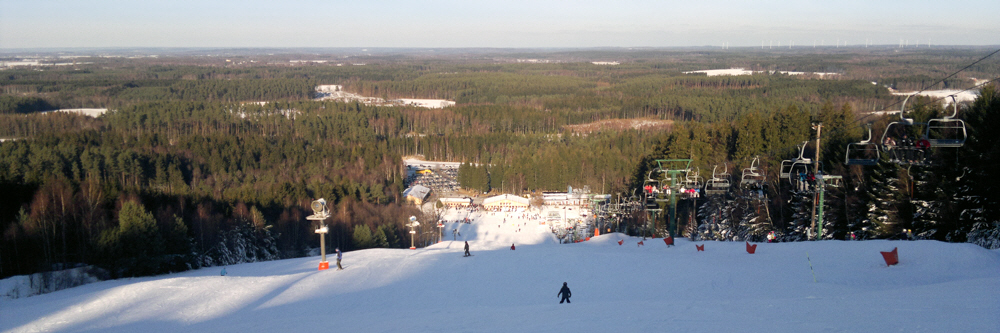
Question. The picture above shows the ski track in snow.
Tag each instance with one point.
(936, 287)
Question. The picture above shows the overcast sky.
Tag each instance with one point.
(507, 23)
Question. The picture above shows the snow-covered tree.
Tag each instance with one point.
(716, 217)
(882, 198)
(979, 207)
(801, 205)
(243, 243)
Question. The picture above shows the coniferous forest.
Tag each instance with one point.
(214, 160)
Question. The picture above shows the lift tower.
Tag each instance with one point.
(673, 170)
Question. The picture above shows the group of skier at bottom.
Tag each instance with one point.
(564, 291)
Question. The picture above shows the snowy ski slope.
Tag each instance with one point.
(937, 287)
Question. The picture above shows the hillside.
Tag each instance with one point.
(627, 288)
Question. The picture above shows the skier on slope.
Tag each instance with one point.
(565, 294)
(339, 256)
(467, 249)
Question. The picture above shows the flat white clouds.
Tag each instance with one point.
(446, 23)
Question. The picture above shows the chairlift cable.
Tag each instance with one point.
(860, 119)
(958, 71)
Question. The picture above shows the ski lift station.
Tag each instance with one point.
(506, 201)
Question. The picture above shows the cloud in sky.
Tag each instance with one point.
(489, 23)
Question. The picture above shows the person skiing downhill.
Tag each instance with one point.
(339, 256)
(565, 294)
(467, 249)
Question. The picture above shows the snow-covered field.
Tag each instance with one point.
(336, 92)
(719, 72)
(937, 287)
(428, 103)
(741, 71)
(90, 112)
(961, 96)
(413, 162)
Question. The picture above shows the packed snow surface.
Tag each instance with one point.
(936, 287)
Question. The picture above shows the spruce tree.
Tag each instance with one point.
(363, 237)
(882, 199)
(979, 208)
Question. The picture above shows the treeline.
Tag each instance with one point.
(546, 162)
(42, 91)
(15, 104)
(237, 177)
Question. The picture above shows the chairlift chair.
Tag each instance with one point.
(794, 167)
(692, 179)
(786, 169)
(896, 142)
(650, 189)
(719, 184)
(833, 180)
(862, 153)
(946, 132)
(800, 168)
(752, 177)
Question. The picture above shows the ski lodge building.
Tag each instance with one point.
(416, 194)
(505, 201)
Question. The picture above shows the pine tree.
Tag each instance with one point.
(242, 243)
(978, 206)
(801, 205)
(363, 237)
(882, 199)
(754, 222)
(380, 239)
(136, 246)
(716, 216)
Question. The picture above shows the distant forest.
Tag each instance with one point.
(188, 169)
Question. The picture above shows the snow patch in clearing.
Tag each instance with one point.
(741, 71)
(90, 112)
(960, 95)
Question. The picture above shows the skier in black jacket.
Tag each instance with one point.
(467, 249)
(565, 294)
